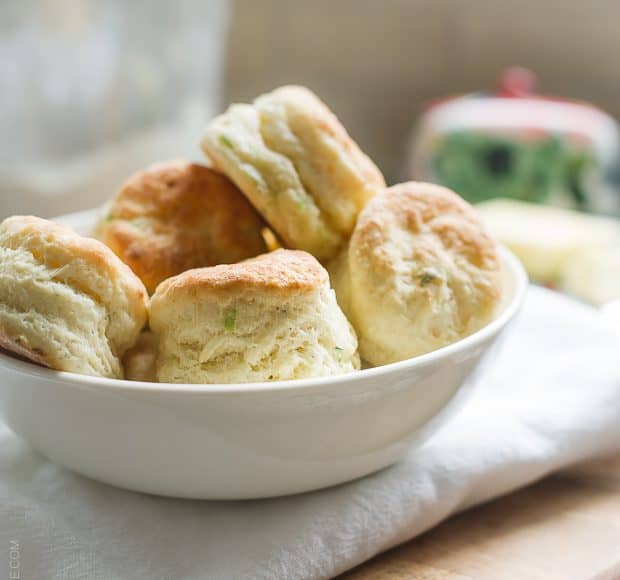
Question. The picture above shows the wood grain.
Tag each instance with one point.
(566, 526)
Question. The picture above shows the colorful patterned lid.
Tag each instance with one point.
(518, 144)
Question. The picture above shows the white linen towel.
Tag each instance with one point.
(551, 399)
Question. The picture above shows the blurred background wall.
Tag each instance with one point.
(377, 62)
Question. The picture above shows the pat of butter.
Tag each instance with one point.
(594, 276)
(546, 239)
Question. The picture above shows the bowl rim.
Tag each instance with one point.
(508, 312)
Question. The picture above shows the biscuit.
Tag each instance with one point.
(271, 318)
(420, 272)
(179, 215)
(140, 361)
(296, 163)
(66, 302)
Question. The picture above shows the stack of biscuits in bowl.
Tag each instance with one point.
(284, 256)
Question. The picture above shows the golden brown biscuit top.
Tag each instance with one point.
(177, 216)
(303, 102)
(286, 271)
(414, 208)
(55, 246)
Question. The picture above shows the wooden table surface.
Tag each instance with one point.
(565, 527)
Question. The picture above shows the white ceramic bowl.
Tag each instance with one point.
(247, 440)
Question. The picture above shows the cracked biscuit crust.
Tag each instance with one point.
(66, 301)
(179, 215)
(296, 163)
(269, 318)
(420, 272)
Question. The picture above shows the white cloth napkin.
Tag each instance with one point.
(552, 398)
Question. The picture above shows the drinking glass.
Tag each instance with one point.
(91, 91)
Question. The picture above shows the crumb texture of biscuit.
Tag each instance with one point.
(66, 302)
(420, 272)
(140, 361)
(179, 215)
(271, 318)
(296, 163)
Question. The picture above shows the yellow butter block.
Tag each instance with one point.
(594, 276)
(546, 239)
